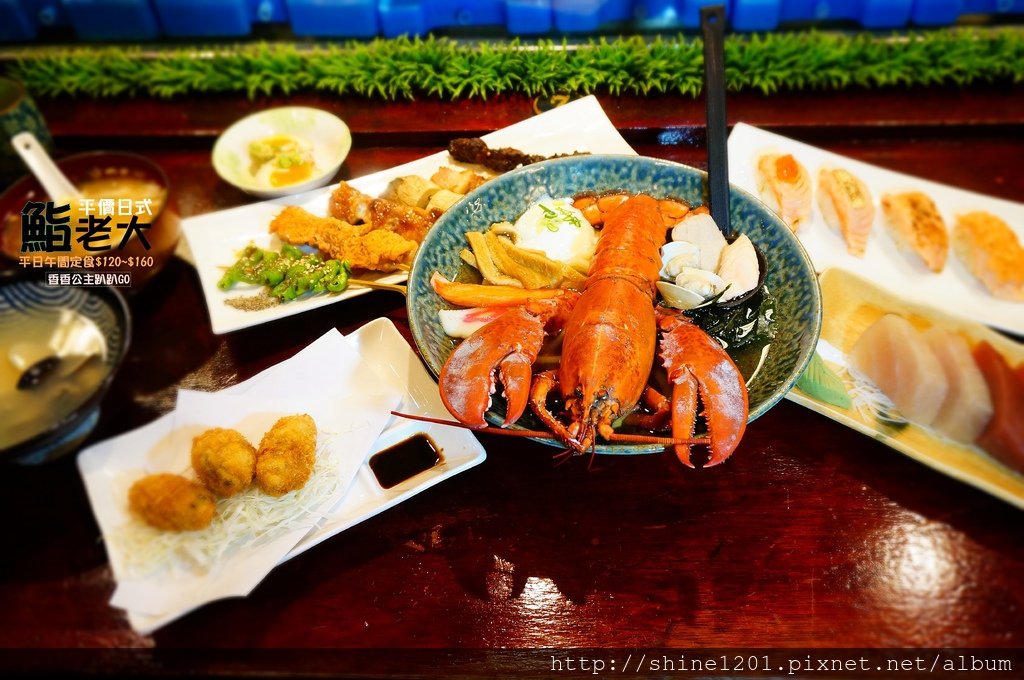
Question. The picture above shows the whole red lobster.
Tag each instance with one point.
(611, 334)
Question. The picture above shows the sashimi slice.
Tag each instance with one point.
(1004, 436)
(895, 357)
(968, 406)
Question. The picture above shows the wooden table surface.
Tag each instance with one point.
(810, 536)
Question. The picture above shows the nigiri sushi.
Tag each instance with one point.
(915, 223)
(893, 355)
(846, 205)
(968, 405)
(786, 187)
(991, 251)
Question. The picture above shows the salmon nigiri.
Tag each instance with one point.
(915, 223)
(846, 205)
(786, 187)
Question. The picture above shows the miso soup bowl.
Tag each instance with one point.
(26, 296)
(162, 236)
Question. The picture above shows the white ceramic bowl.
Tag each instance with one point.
(328, 137)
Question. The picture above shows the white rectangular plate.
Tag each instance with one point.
(851, 304)
(214, 239)
(954, 289)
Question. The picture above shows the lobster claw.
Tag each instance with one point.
(696, 363)
(507, 347)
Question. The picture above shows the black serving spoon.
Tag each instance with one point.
(712, 23)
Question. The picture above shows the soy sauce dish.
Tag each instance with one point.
(60, 347)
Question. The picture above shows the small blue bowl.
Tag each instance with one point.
(790, 280)
(26, 297)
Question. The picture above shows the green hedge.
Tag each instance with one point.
(446, 69)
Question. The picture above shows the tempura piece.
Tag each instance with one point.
(286, 455)
(991, 251)
(360, 244)
(172, 503)
(846, 205)
(785, 187)
(224, 461)
(915, 224)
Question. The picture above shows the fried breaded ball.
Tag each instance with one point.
(172, 503)
(224, 461)
(286, 455)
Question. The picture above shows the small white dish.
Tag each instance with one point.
(325, 135)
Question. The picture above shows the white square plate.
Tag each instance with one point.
(214, 239)
(954, 289)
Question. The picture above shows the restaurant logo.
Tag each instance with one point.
(90, 236)
(46, 227)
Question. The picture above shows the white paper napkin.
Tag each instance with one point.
(327, 379)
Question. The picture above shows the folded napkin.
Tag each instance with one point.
(329, 381)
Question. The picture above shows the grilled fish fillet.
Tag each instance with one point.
(915, 223)
(991, 251)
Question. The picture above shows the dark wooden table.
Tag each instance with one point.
(811, 536)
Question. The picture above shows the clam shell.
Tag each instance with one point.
(675, 255)
(679, 298)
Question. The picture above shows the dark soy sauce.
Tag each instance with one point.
(404, 460)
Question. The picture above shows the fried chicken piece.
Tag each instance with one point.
(297, 226)
(286, 455)
(224, 461)
(363, 246)
(172, 503)
(378, 250)
(351, 205)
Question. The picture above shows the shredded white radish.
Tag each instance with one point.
(242, 520)
(869, 401)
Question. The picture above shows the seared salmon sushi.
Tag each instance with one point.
(916, 225)
(846, 205)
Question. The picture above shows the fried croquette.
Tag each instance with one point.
(172, 503)
(224, 461)
(286, 455)
(362, 245)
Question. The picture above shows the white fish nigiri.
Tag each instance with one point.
(968, 405)
(895, 356)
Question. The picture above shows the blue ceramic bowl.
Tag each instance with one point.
(28, 300)
(790, 280)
